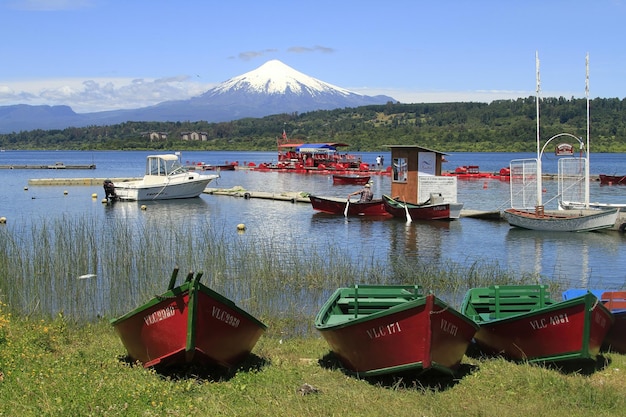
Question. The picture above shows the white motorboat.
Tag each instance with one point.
(165, 179)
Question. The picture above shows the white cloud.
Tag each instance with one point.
(101, 94)
(417, 96)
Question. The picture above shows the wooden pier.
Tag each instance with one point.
(58, 165)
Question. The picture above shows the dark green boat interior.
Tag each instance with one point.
(351, 303)
(502, 301)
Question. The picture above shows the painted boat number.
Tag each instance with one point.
(381, 331)
(159, 315)
(223, 316)
(553, 321)
(448, 327)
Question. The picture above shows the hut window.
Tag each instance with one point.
(400, 169)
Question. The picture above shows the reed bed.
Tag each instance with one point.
(85, 269)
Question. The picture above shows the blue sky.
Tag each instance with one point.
(109, 54)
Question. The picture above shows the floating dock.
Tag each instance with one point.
(288, 196)
(58, 165)
(75, 181)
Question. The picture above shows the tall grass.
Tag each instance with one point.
(86, 269)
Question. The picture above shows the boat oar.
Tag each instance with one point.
(345, 211)
(173, 279)
(406, 210)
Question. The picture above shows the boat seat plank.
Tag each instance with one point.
(342, 318)
(614, 300)
(364, 302)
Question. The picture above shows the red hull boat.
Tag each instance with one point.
(612, 179)
(524, 323)
(333, 205)
(426, 211)
(615, 301)
(188, 324)
(376, 330)
(350, 179)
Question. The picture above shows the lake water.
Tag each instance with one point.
(579, 260)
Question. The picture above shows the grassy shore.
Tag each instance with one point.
(73, 364)
(53, 367)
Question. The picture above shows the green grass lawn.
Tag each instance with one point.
(52, 367)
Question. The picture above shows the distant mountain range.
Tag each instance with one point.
(272, 88)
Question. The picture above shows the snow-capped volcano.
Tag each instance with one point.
(276, 88)
(272, 88)
(274, 77)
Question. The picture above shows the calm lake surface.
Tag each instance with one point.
(578, 260)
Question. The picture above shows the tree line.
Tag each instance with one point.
(499, 126)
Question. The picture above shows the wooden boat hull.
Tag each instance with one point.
(557, 332)
(420, 334)
(189, 324)
(562, 220)
(350, 179)
(612, 179)
(615, 301)
(333, 205)
(441, 211)
(615, 340)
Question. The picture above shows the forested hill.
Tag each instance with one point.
(504, 125)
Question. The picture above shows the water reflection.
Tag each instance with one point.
(569, 258)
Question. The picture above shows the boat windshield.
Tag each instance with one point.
(164, 165)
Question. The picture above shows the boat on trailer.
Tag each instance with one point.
(188, 324)
(384, 329)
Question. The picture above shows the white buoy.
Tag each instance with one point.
(3, 220)
(241, 227)
(25, 188)
(65, 192)
(104, 201)
(94, 196)
(143, 207)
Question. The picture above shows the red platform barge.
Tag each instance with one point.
(187, 324)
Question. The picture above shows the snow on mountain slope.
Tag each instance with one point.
(274, 77)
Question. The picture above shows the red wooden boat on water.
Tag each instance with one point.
(335, 205)
(615, 301)
(189, 323)
(379, 329)
(524, 323)
(350, 179)
(430, 210)
(612, 179)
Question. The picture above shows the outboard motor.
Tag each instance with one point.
(109, 190)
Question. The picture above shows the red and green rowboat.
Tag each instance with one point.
(522, 322)
(383, 329)
(189, 323)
